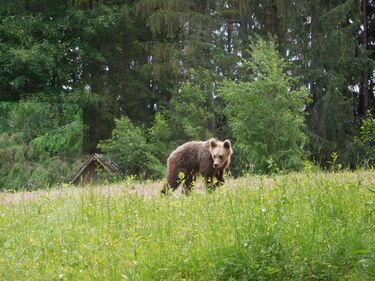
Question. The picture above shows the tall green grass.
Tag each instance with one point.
(295, 227)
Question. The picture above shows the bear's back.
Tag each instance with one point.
(189, 153)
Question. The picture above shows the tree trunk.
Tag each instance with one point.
(229, 46)
(365, 91)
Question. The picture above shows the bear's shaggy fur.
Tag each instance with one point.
(208, 158)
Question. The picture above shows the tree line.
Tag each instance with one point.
(290, 82)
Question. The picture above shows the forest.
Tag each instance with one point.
(290, 83)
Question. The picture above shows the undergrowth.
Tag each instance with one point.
(294, 227)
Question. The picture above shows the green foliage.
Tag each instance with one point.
(40, 143)
(266, 114)
(64, 141)
(334, 163)
(129, 149)
(328, 46)
(14, 169)
(334, 131)
(310, 167)
(29, 55)
(32, 118)
(190, 116)
(295, 227)
(365, 143)
(160, 63)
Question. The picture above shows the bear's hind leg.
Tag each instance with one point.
(188, 184)
(173, 182)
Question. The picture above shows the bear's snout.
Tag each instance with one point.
(216, 165)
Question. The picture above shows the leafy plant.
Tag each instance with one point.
(129, 149)
(365, 143)
(266, 113)
(334, 163)
(40, 143)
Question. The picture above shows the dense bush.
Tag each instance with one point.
(129, 149)
(266, 113)
(40, 143)
(365, 143)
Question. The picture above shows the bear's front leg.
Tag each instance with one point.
(220, 178)
(210, 186)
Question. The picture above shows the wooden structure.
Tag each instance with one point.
(88, 172)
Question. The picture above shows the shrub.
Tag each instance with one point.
(365, 143)
(39, 143)
(266, 113)
(129, 149)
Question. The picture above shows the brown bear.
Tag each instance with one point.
(208, 158)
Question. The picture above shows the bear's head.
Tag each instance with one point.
(220, 152)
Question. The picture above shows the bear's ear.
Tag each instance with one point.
(213, 143)
(227, 144)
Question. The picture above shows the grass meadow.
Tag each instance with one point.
(312, 226)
